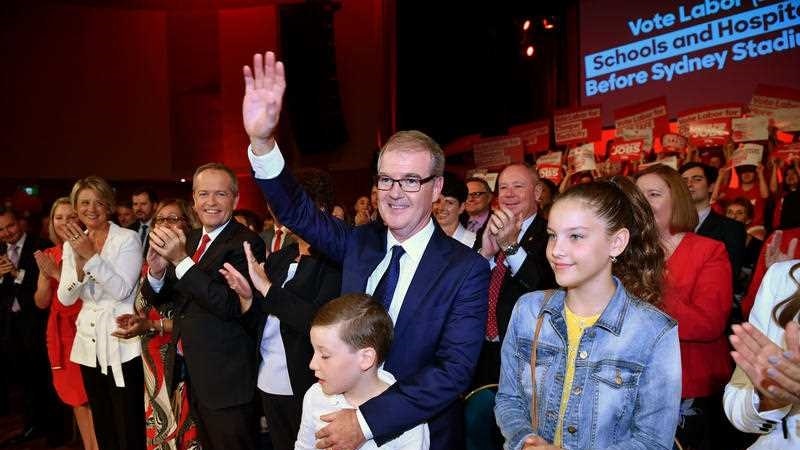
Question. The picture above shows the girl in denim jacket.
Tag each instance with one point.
(608, 373)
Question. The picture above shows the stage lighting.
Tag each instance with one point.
(526, 25)
(548, 23)
(529, 51)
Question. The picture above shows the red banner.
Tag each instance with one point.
(754, 128)
(578, 125)
(498, 152)
(671, 142)
(535, 136)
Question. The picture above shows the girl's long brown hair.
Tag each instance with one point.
(788, 308)
(620, 204)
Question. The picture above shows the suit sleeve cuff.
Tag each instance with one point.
(362, 422)
(266, 166)
(516, 260)
(183, 267)
(766, 420)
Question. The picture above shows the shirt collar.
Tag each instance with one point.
(480, 218)
(215, 232)
(524, 227)
(20, 243)
(701, 215)
(415, 245)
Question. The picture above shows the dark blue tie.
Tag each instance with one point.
(385, 289)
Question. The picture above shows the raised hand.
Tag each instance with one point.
(263, 98)
(80, 242)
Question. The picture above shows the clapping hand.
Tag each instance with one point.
(169, 243)
(239, 283)
(47, 265)
(773, 371)
(83, 246)
(130, 325)
(263, 98)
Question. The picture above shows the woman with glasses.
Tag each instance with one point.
(101, 267)
(169, 425)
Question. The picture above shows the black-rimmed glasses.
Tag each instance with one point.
(408, 184)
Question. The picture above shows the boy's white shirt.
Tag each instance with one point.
(316, 403)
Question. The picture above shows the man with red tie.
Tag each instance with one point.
(514, 241)
(220, 356)
(277, 236)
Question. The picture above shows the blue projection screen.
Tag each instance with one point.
(695, 52)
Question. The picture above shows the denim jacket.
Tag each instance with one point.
(627, 385)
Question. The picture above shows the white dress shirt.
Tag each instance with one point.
(316, 403)
(464, 236)
(108, 290)
(273, 372)
(14, 258)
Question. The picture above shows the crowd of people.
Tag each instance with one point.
(604, 310)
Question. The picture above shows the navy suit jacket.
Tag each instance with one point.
(439, 330)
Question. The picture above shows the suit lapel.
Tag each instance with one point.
(218, 244)
(370, 251)
(430, 269)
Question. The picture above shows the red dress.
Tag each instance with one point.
(61, 329)
(698, 294)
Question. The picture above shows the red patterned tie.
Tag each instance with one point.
(495, 284)
(277, 245)
(201, 248)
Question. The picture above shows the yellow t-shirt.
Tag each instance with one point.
(575, 326)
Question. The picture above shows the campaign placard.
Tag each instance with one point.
(673, 143)
(581, 158)
(786, 119)
(787, 152)
(623, 150)
(767, 99)
(747, 155)
(549, 166)
(755, 128)
(461, 145)
(669, 161)
(578, 125)
(498, 152)
(535, 136)
(708, 125)
(649, 114)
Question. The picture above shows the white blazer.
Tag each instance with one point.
(108, 290)
(741, 400)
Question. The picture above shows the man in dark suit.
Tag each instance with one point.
(434, 288)
(514, 241)
(277, 236)
(22, 332)
(145, 203)
(700, 179)
(220, 355)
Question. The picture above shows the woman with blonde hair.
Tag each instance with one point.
(101, 266)
(67, 378)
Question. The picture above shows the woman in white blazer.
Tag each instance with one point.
(773, 415)
(101, 266)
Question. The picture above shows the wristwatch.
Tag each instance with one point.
(511, 248)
